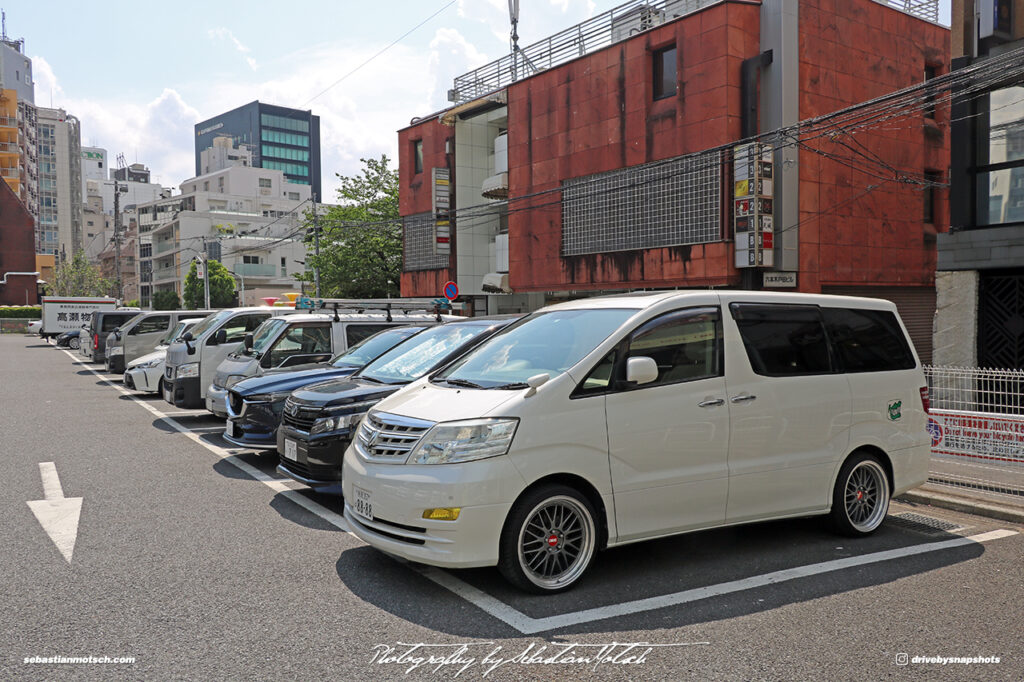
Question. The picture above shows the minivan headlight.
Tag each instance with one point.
(233, 379)
(148, 364)
(116, 350)
(464, 441)
(187, 370)
(332, 421)
(277, 397)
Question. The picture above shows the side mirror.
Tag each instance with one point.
(247, 341)
(117, 333)
(187, 338)
(641, 370)
(535, 382)
(220, 337)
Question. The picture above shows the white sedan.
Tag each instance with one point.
(35, 326)
(146, 373)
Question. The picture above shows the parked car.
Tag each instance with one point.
(318, 420)
(193, 359)
(103, 322)
(601, 422)
(69, 339)
(141, 334)
(304, 340)
(146, 373)
(255, 405)
(35, 327)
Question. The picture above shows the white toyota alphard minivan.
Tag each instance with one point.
(605, 421)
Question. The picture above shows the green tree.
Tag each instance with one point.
(361, 237)
(222, 287)
(166, 300)
(134, 303)
(78, 277)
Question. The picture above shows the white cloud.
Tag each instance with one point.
(226, 34)
(46, 85)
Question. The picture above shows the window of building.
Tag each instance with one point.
(206, 186)
(293, 196)
(255, 260)
(930, 72)
(665, 72)
(265, 182)
(933, 179)
(417, 156)
(284, 266)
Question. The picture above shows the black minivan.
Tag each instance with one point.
(103, 322)
(319, 420)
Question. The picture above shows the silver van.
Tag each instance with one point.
(140, 335)
(302, 340)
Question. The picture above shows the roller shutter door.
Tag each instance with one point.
(915, 304)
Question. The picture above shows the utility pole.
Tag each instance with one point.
(316, 247)
(206, 276)
(117, 236)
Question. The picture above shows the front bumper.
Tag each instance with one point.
(216, 400)
(399, 494)
(183, 392)
(115, 364)
(317, 460)
(143, 379)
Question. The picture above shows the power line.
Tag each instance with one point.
(390, 45)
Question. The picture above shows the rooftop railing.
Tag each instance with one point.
(603, 30)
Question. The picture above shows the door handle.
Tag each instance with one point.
(742, 398)
(711, 403)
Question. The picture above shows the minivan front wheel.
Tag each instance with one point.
(549, 540)
(860, 499)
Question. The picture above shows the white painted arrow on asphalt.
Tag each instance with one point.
(58, 515)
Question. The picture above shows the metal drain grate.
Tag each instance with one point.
(923, 524)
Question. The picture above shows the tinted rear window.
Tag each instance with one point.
(110, 321)
(783, 340)
(868, 340)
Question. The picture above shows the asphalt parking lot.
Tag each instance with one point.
(199, 561)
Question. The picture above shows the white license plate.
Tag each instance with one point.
(362, 505)
(291, 450)
(229, 429)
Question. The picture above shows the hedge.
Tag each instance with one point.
(28, 312)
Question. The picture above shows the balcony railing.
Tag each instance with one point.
(606, 29)
(164, 247)
(256, 269)
(165, 273)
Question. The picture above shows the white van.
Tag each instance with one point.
(192, 360)
(605, 421)
(303, 340)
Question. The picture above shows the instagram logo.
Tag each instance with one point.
(902, 659)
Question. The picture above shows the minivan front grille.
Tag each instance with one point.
(236, 403)
(388, 436)
(300, 416)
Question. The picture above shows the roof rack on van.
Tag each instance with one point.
(406, 305)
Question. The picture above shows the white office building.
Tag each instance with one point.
(252, 216)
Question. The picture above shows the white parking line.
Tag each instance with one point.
(527, 625)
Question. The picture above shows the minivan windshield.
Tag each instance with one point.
(546, 343)
(414, 357)
(369, 348)
(264, 335)
(172, 335)
(210, 322)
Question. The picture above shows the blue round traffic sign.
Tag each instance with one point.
(451, 290)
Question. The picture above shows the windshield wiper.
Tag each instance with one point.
(461, 382)
(373, 379)
(512, 386)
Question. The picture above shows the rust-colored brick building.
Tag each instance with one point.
(17, 251)
(612, 168)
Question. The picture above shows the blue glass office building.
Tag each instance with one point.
(280, 138)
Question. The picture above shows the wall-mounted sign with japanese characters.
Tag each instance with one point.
(441, 195)
(753, 210)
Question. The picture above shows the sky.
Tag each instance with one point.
(139, 75)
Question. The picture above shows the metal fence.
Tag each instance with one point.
(976, 422)
(15, 325)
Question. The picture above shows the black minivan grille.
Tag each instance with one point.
(300, 416)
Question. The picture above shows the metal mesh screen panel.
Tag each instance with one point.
(419, 243)
(667, 203)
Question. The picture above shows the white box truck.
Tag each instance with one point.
(64, 313)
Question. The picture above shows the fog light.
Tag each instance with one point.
(447, 514)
